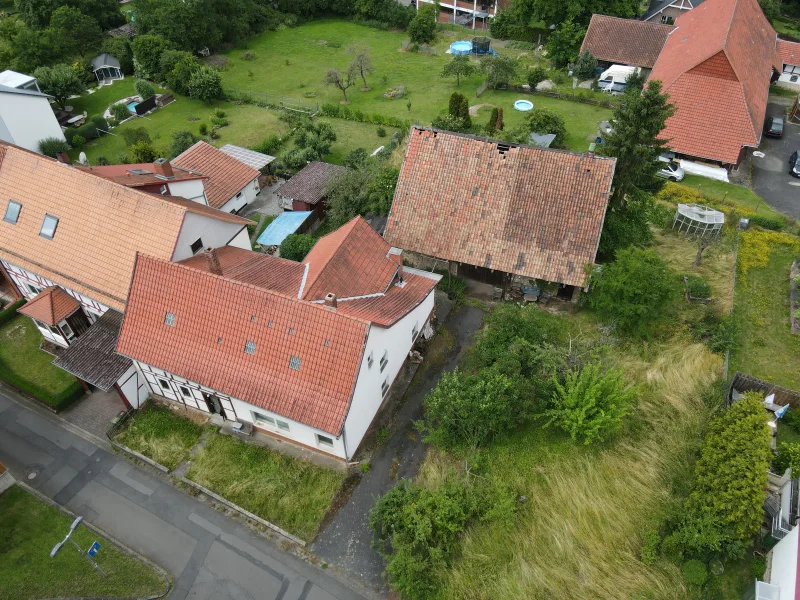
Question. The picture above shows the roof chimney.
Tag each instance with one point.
(163, 168)
(330, 300)
(63, 157)
(213, 260)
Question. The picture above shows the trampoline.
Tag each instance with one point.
(461, 48)
(523, 105)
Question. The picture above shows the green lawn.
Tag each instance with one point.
(98, 101)
(27, 367)
(161, 435)
(768, 348)
(30, 529)
(291, 493)
(293, 62)
(736, 194)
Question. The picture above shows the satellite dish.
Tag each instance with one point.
(82, 159)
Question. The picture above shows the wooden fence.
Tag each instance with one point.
(273, 101)
(746, 383)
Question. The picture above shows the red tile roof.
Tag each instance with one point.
(625, 41)
(216, 316)
(50, 306)
(227, 176)
(262, 270)
(516, 209)
(201, 209)
(122, 174)
(789, 52)
(716, 67)
(351, 261)
(101, 225)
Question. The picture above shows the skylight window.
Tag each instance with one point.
(294, 363)
(169, 319)
(12, 212)
(250, 347)
(291, 331)
(49, 227)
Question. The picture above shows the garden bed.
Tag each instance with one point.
(24, 366)
(289, 492)
(31, 528)
(160, 434)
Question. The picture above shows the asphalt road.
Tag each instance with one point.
(209, 556)
(771, 179)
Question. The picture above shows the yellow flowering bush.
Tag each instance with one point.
(755, 247)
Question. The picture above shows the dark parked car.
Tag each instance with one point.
(794, 164)
(773, 127)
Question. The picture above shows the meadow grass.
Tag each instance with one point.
(289, 492)
(578, 534)
(737, 195)
(161, 435)
(31, 528)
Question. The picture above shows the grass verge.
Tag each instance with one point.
(24, 366)
(291, 493)
(736, 195)
(160, 435)
(31, 528)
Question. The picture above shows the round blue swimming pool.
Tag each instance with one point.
(461, 48)
(523, 105)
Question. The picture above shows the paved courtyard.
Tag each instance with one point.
(771, 179)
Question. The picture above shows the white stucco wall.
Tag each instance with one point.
(134, 387)
(248, 194)
(397, 340)
(27, 120)
(785, 81)
(211, 231)
(242, 240)
(783, 572)
(191, 189)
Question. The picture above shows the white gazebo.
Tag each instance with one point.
(106, 67)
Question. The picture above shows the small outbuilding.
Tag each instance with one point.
(106, 67)
(306, 190)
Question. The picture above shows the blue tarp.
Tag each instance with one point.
(285, 224)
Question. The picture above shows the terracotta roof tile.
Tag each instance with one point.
(625, 41)
(101, 225)
(789, 52)
(516, 209)
(227, 176)
(124, 175)
(216, 316)
(386, 309)
(50, 306)
(351, 261)
(201, 209)
(309, 184)
(716, 67)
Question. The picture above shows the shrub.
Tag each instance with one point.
(650, 544)
(470, 410)
(219, 122)
(102, 161)
(203, 129)
(698, 287)
(694, 572)
(78, 141)
(136, 134)
(143, 152)
(591, 404)
(758, 567)
(422, 28)
(536, 76)
(585, 66)
(491, 126)
(248, 55)
(381, 132)
(181, 141)
(120, 111)
(296, 246)
(10, 311)
(787, 457)
(51, 146)
(356, 158)
(270, 145)
(772, 223)
(635, 291)
(219, 113)
(144, 89)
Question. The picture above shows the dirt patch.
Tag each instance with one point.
(15, 332)
(473, 110)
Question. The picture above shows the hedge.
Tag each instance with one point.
(773, 223)
(58, 401)
(345, 112)
(10, 311)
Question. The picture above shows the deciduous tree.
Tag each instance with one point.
(205, 84)
(460, 66)
(499, 70)
(422, 28)
(361, 64)
(342, 81)
(75, 31)
(296, 246)
(60, 81)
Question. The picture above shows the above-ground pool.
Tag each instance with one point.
(523, 105)
(461, 48)
(132, 106)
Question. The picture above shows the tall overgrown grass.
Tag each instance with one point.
(579, 529)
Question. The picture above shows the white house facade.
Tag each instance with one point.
(26, 118)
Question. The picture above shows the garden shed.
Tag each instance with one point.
(106, 67)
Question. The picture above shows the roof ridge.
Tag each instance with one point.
(243, 284)
(351, 224)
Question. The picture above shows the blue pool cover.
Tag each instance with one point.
(132, 106)
(285, 224)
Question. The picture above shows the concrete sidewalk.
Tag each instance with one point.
(209, 555)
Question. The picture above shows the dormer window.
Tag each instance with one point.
(169, 319)
(49, 225)
(12, 212)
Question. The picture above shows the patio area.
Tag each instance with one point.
(94, 411)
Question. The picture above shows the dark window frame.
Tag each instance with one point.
(196, 246)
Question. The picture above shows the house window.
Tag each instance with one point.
(282, 425)
(54, 330)
(185, 391)
(384, 360)
(239, 195)
(49, 225)
(197, 245)
(263, 419)
(384, 387)
(39, 324)
(33, 289)
(250, 347)
(324, 440)
(370, 360)
(291, 331)
(169, 319)
(219, 340)
(294, 363)
(164, 384)
(67, 330)
(415, 332)
(163, 190)
(12, 212)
